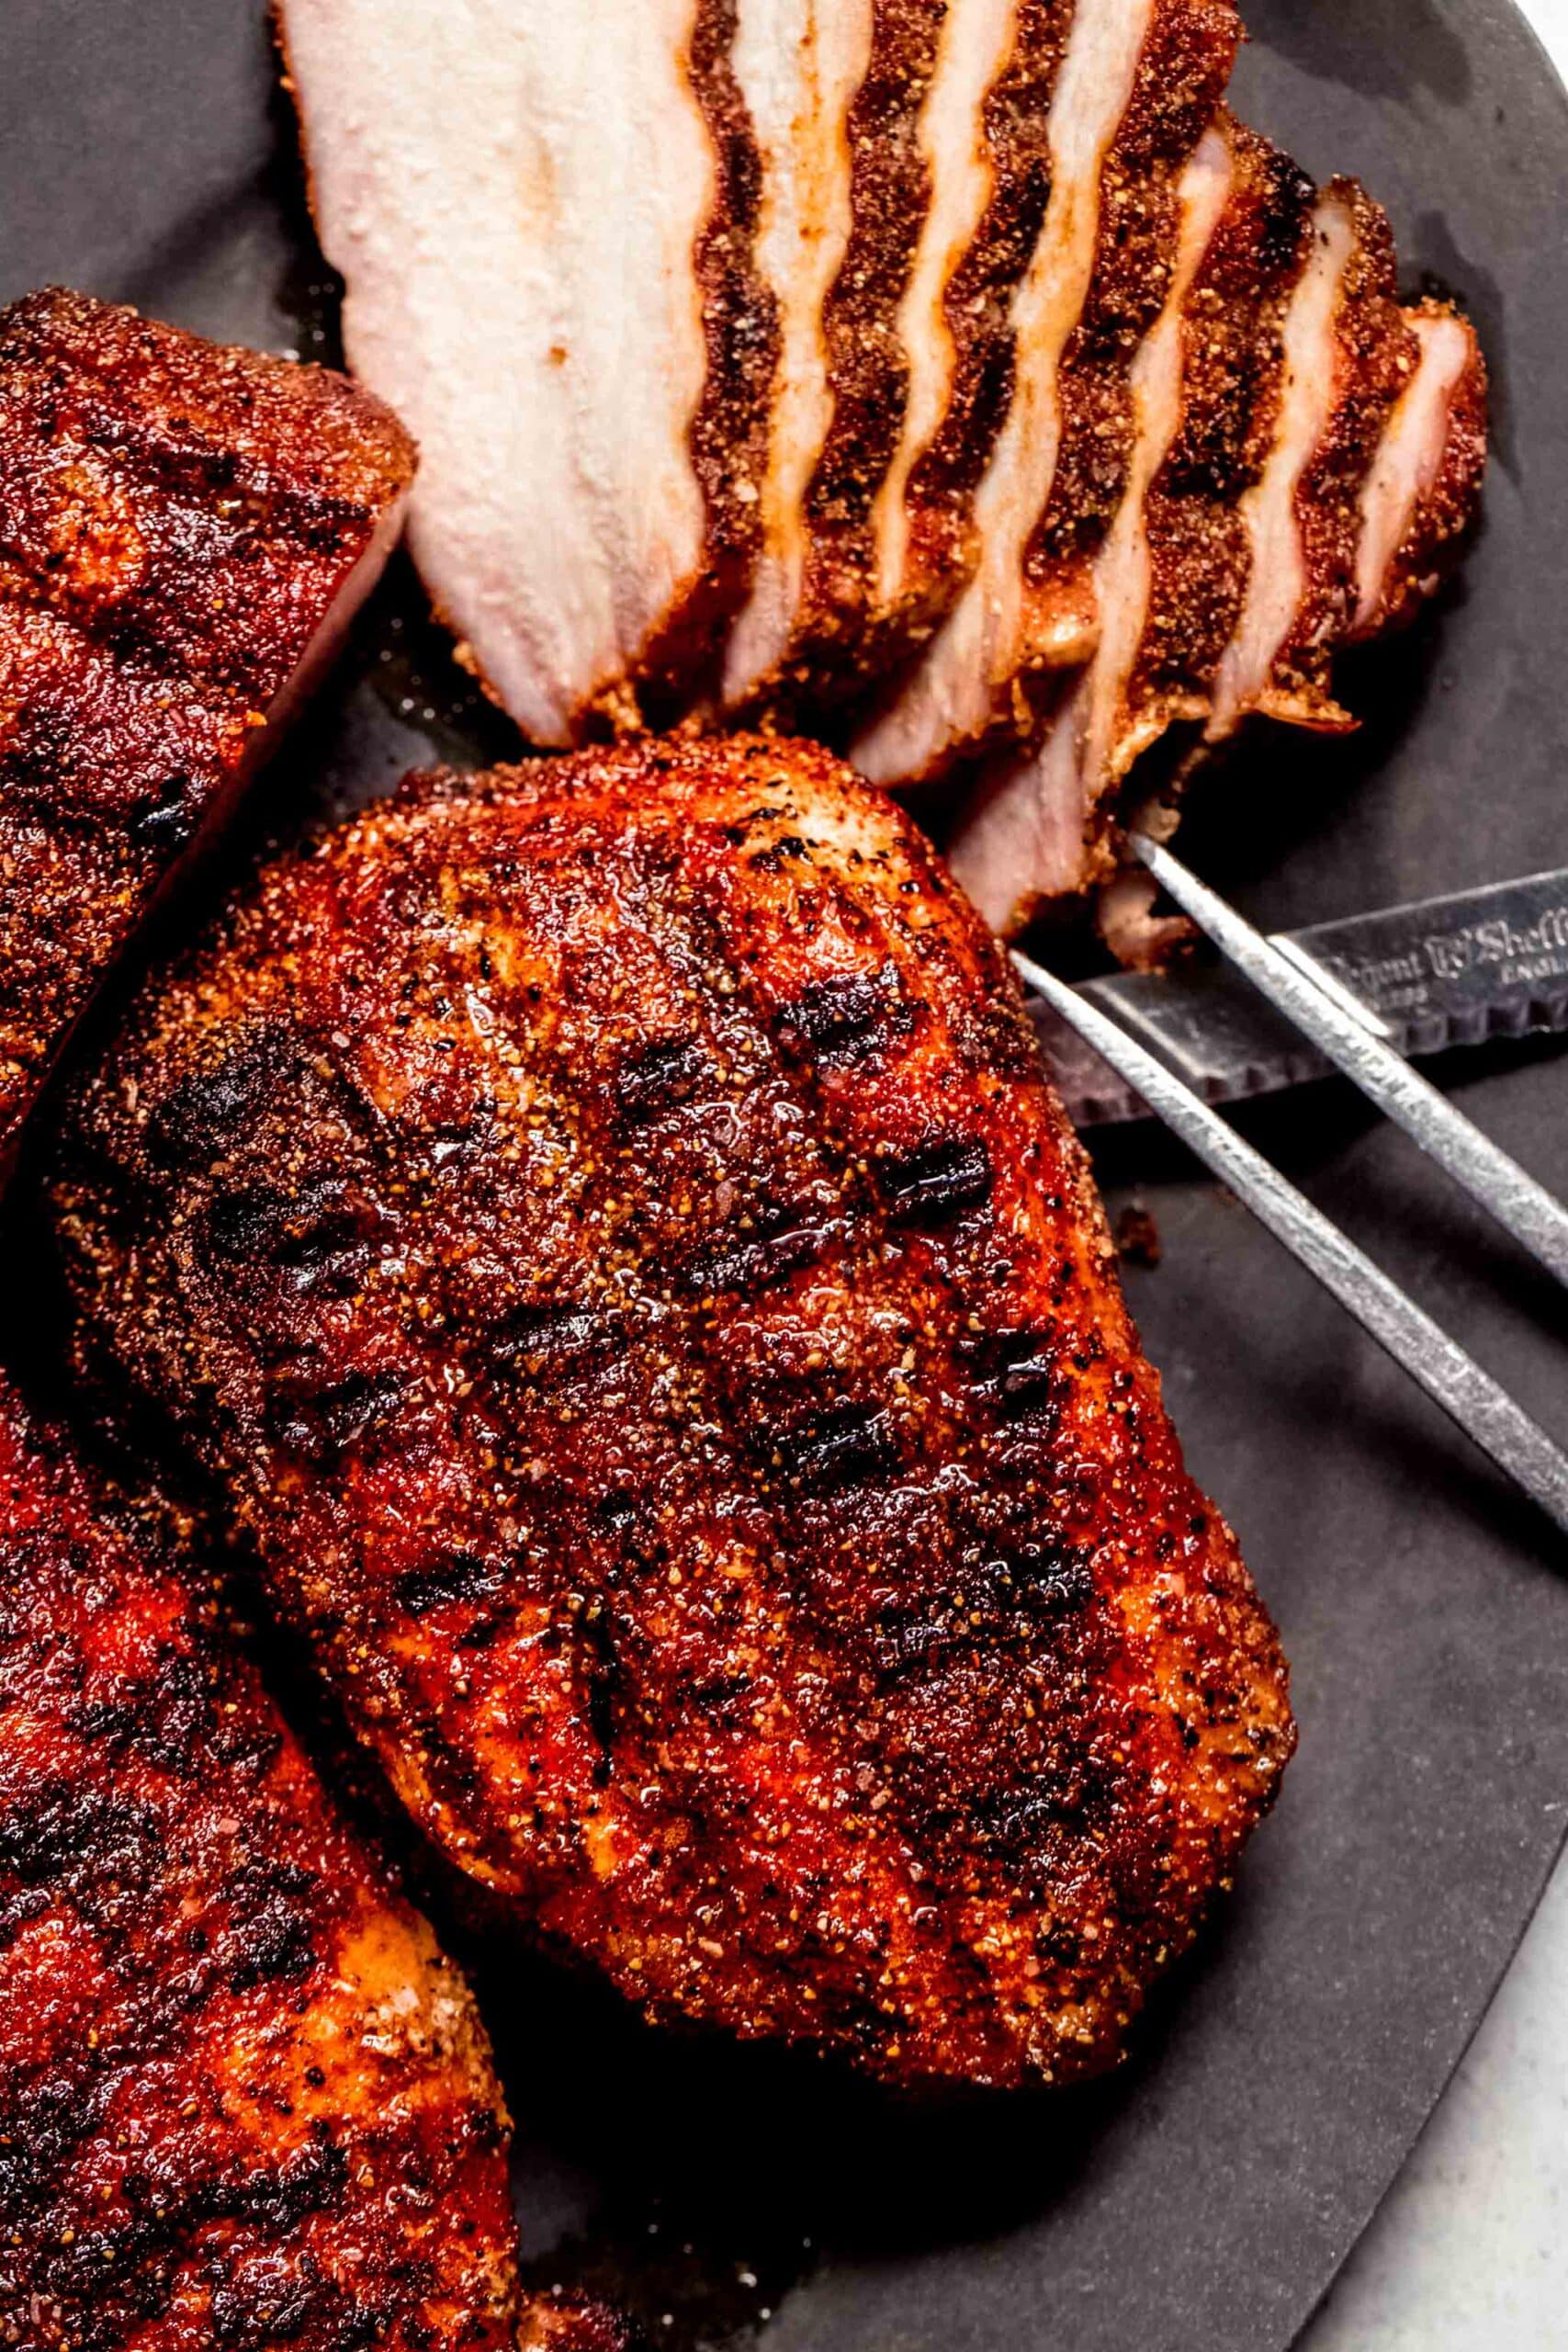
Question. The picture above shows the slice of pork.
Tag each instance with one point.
(961, 163)
(513, 194)
(185, 533)
(1420, 494)
(1028, 836)
(1123, 119)
(800, 68)
(948, 165)
(1363, 455)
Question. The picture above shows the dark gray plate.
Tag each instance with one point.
(1202, 2202)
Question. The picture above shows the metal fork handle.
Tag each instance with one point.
(1481, 1408)
(1350, 1036)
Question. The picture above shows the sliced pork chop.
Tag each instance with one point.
(1420, 494)
(947, 157)
(982, 141)
(184, 534)
(873, 459)
(1329, 441)
(1139, 79)
(549, 172)
(607, 1227)
(729, 437)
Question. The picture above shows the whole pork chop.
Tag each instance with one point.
(606, 1224)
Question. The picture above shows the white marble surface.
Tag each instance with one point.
(1470, 2251)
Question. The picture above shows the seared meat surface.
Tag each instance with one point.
(243, 2099)
(607, 1225)
(964, 383)
(184, 532)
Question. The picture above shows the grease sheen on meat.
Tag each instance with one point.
(607, 1223)
(243, 2099)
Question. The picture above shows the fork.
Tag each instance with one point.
(1353, 1037)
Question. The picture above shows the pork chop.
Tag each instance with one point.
(184, 534)
(243, 2098)
(607, 1227)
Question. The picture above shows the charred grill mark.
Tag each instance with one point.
(1046, 1575)
(838, 1023)
(317, 1233)
(1022, 1372)
(165, 818)
(997, 1601)
(605, 1678)
(740, 1264)
(78, 1835)
(321, 1424)
(202, 1112)
(272, 1936)
(1285, 205)
(657, 1076)
(170, 1718)
(826, 1452)
(460, 1577)
(553, 1338)
(938, 1180)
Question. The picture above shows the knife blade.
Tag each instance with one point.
(1440, 972)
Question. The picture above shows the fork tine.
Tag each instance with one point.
(1483, 1410)
(1312, 999)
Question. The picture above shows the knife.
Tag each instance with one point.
(1441, 972)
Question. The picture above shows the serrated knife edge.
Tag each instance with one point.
(1457, 970)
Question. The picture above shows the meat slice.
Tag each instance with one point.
(1138, 82)
(607, 1226)
(1421, 491)
(800, 68)
(938, 181)
(184, 534)
(243, 2098)
(1028, 838)
(547, 170)
(990, 85)
(815, 406)
(728, 437)
(1319, 454)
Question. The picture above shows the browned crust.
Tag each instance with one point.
(979, 299)
(1446, 512)
(176, 522)
(868, 371)
(1187, 62)
(1232, 363)
(1198, 541)
(730, 431)
(1375, 356)
(845, 640)
(607, 1225)
(242, 2097)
